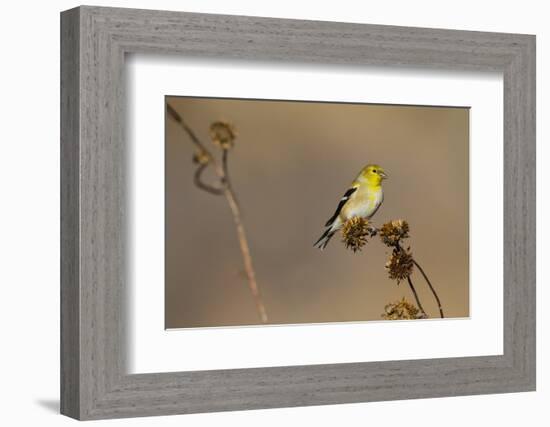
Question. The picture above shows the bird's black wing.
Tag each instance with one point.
(343, 201)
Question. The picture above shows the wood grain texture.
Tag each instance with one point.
(94, 232)
(70, 220)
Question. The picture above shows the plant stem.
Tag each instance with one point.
(416, 296)
(245, 250)
(226, 180)
(431, 288)
(175, 115)
(227, 190)
(399, 248)
(197, 179)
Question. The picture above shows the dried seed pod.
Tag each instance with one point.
(355, 232)
(402, 310)
(392, 232)
(223, 134)
(400, 265)
(201, 158)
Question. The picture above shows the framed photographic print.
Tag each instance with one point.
(262, 213)
(285, 172)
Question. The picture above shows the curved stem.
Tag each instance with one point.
(197, 179)
(223, 175)
(431, 288)
(416, 296)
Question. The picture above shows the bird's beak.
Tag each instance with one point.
(384, 175)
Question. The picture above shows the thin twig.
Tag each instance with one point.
(225, 167)
(245, 250)
(416, 296)
(399, 248)
(197, 178)
(226, 178)
(223, 175)
(431, 288)
(175, 115)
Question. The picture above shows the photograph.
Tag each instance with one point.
(293, 212)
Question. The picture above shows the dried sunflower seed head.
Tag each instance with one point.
(392, 232)
(201, 158)
(355, 232)
(223, 134)
(402, 310)
(400, 265)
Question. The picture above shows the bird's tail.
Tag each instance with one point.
(322, 242)
(324, 239)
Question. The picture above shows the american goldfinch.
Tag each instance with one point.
(363, 199)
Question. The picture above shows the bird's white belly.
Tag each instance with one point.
(365, 206)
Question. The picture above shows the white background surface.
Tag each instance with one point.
(29, 234)
(153, 349)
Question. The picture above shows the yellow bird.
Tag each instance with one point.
(363, 199)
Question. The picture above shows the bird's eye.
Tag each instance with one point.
(374, 170)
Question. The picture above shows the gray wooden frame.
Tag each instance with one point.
(94, 41)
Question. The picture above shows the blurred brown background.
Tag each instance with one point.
(291, 164)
